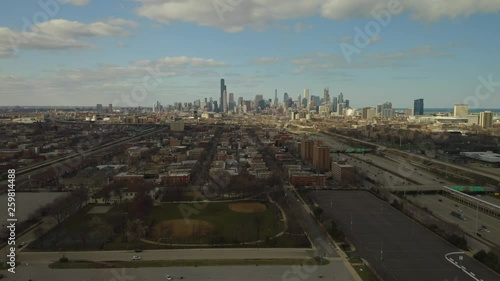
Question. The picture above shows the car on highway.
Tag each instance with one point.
(484, 229)
(136, 258)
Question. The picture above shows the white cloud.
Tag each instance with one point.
(60, 34)
(321, 61)
(122, 44)
(176, 61)
(266, 60)
(375, 39)
(236, 15)
(345, 39)
(104, 83)
(74, 29)
(12, 41)
(301, 27)
(75, 2)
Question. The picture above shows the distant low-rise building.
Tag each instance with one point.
(307, 179)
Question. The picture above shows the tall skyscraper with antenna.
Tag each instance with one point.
(222, 89)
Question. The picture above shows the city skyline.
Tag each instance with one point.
(89, 52)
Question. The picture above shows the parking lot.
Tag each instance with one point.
(396, 246)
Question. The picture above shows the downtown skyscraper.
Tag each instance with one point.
(222, 90)
(418, 107)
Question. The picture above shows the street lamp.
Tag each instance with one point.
(477, 215)
(382, 251)
(446, 169)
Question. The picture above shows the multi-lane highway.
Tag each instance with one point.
(491, 176)
(443, 206)
(395, 170)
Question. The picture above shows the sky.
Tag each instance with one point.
(137, 52)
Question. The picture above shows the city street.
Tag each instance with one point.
(181, 254)
(333, 271)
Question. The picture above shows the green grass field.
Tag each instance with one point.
(229, 226)
(226, 227)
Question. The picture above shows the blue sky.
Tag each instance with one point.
(84, 52)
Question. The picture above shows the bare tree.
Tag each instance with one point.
(61, 208)
(81, 196)
(39, 234)
(135, 231)
(102, 227)
(258, 224)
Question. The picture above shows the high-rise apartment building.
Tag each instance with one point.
(418, 107)
(231, 104)
(409, 112)
(334, 104)
(369, 113)
(306, 95)
(460, 110)
(388, 113)
(382, 107)
(486, 119)
(321, 158)
(340, 108)
(306, 149)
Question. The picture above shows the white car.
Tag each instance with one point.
(136, 258)
(168, 277)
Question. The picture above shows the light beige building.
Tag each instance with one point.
(486, 119)
(460, 110)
